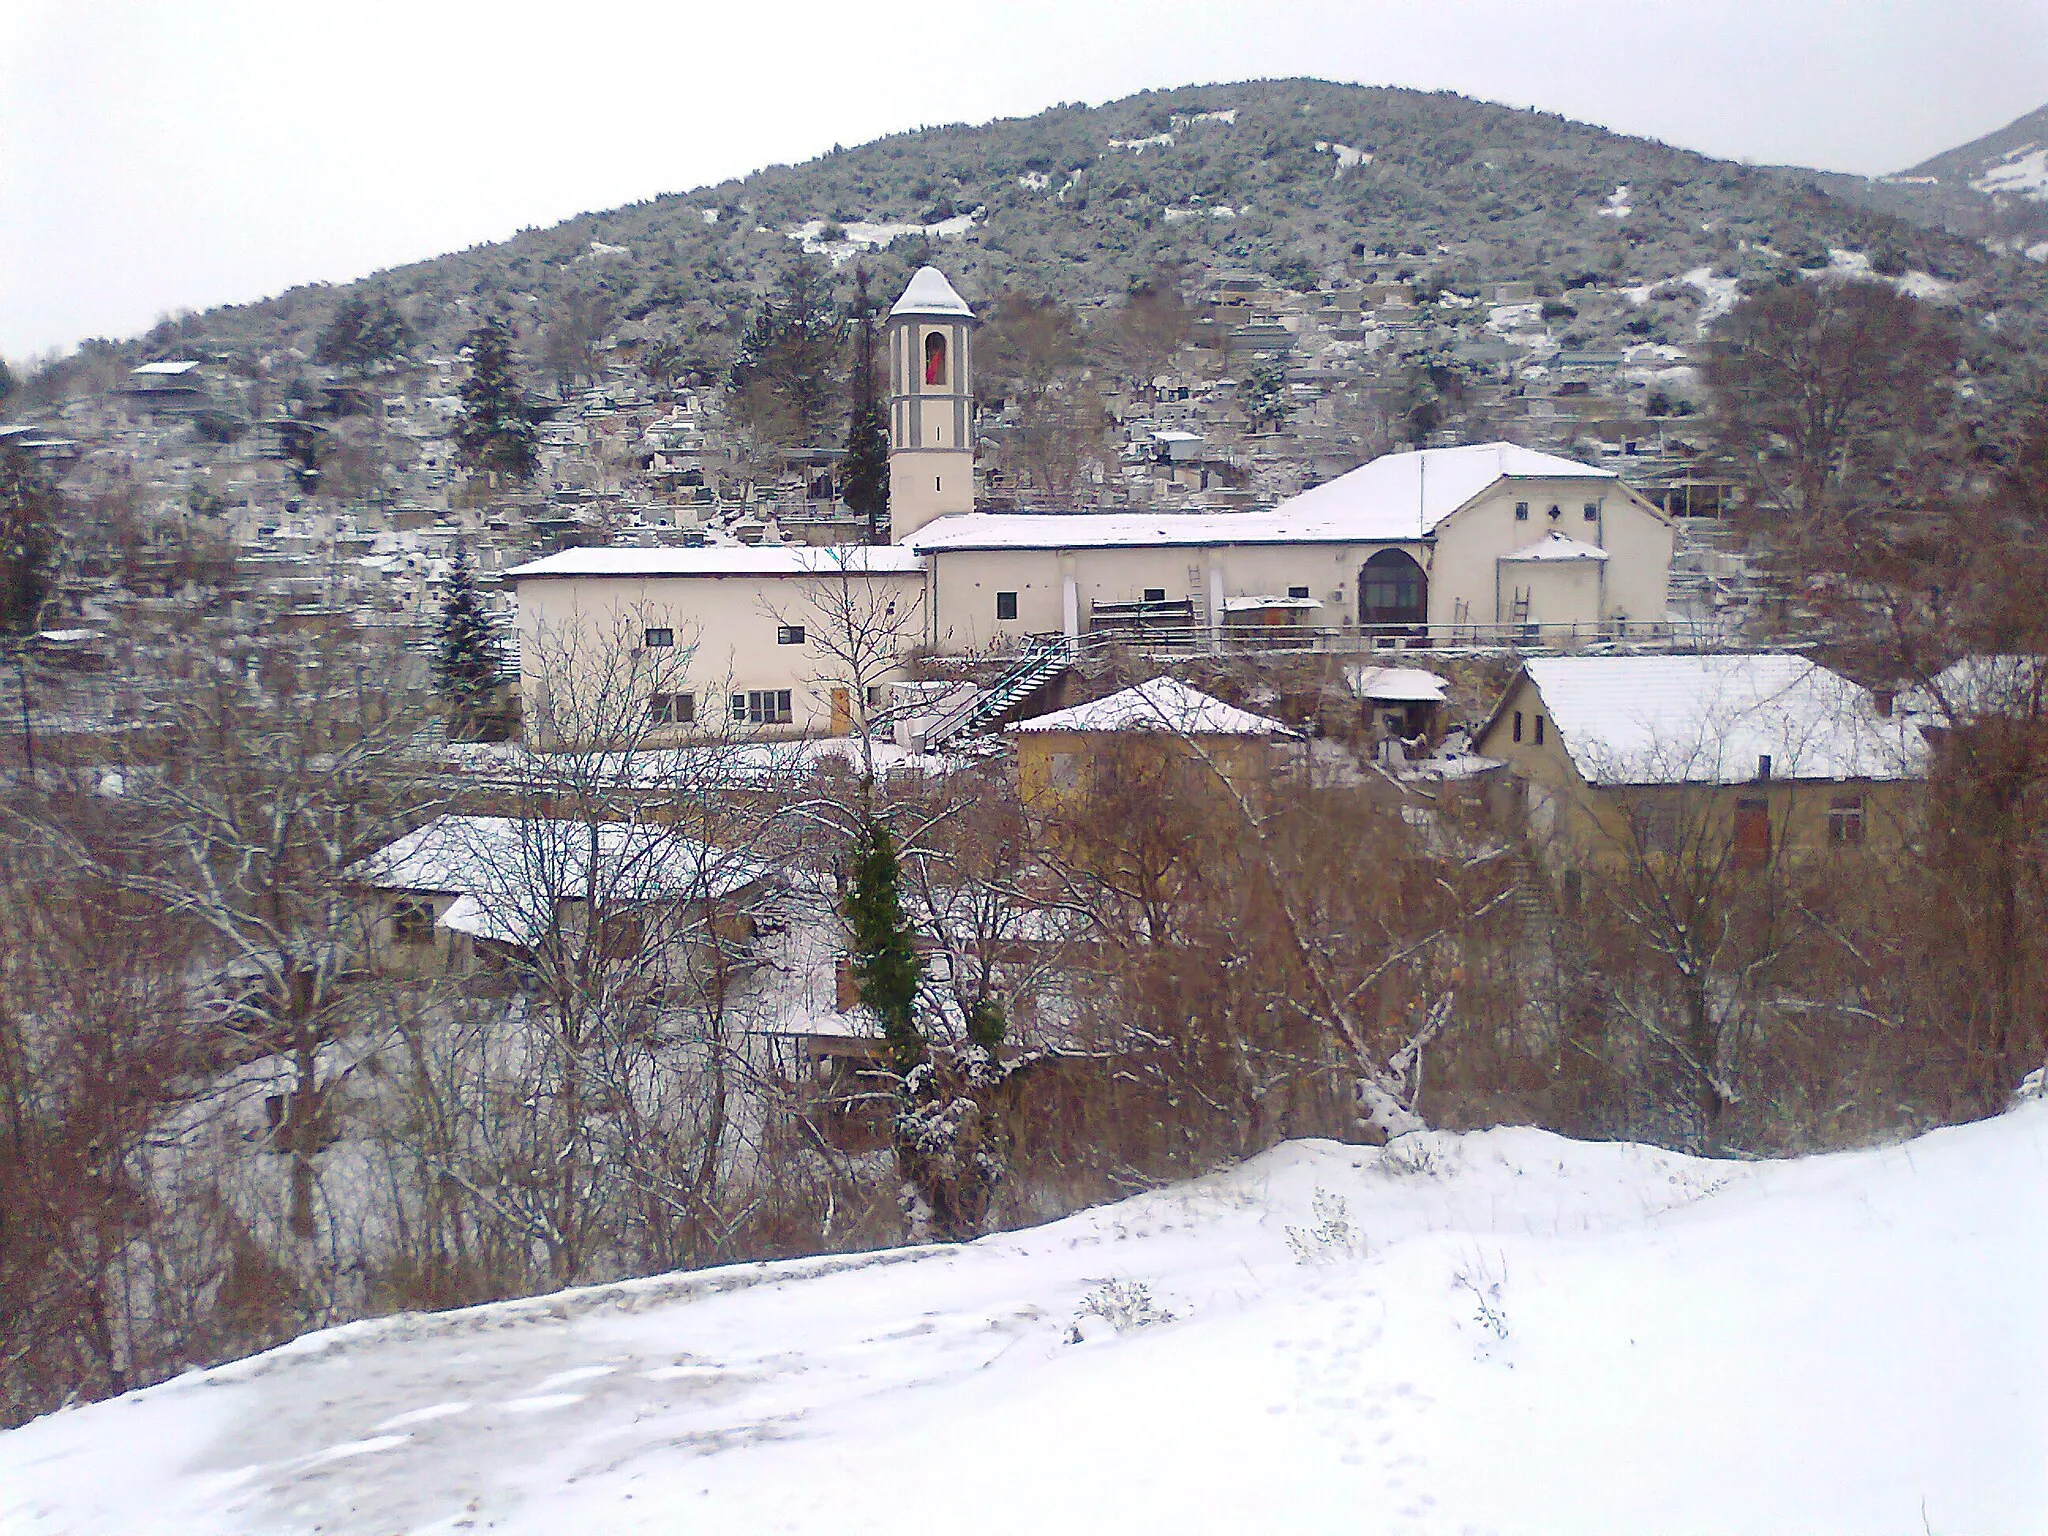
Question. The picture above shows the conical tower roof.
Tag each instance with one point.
(930, 294)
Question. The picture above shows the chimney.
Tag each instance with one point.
(1884, 698)
(846, 988)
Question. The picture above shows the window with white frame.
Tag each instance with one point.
(762, 706)
(789, 634)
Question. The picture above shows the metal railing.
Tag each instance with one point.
(1393, 640)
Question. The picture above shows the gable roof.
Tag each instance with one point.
(1398, 496)
(508, 873)
(1163, 704)
(1396, 685)
(930, 294)
(1711, 719)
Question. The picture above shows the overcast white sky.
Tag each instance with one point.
(161, 154)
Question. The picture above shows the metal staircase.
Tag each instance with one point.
(1046, 657)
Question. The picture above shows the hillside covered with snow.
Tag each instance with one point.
(1497, 1332)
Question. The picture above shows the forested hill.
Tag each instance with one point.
(1287, 178)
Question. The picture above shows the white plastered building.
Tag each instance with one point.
(1475, 542)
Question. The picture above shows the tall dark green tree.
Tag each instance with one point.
(885, 963)
(466, 667)
(785, 378)
(864, 472)
(363, 334)
(28, 551)
(498, 430)
(28, 541)
(7, 383)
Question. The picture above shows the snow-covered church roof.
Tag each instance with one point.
(1396, 496)
(930, 294)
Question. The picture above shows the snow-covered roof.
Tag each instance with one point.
(1713, 719)
(1163, 704)
(508, 873)
(1975, 686)
(1557, 545)
(930, 294)
(1260, 604)
(741, 560)
(1397, 685)
(162, 370)
(1397, 496)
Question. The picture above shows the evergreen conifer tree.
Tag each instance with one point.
(885, 963)
(864, 472)
(497, 430)
(363, 333)
(465, 658)
(784, 378)
(28, 541)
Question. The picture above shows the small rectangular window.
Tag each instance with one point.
(1297, 591)
(1155, 594)
(789, 634)
(1521, 511)
(1006, 605)
(1592, 511)
(1518, 725)
(671, 708)
(412, 922)
(1845, 821)
(1539, 730)
(659, 639)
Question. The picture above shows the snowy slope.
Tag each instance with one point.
(1503, 1332)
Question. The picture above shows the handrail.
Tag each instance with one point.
(1042, 649)
(1400, 639)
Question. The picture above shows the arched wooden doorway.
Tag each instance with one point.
(1392, 590)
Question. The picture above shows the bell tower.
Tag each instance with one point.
(931, 405)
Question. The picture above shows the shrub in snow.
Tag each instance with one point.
(1115, 1306)
(1411, 1158)
(1332, 1236)
(1484, 1281)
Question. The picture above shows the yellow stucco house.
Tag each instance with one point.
(1738, 761)
(1063, 757)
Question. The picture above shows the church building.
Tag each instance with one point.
(1481, 543)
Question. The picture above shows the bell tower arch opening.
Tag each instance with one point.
(934, 358)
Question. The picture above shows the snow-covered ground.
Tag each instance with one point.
(1499, 1332)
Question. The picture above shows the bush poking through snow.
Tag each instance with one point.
(1332, 1237)
(1411, 1158)
(1122, 1304)
(1484, 1279)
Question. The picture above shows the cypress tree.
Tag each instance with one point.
(465, 659)
(885, 963)
(864, 473)
(497, 430)
(28, 540)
